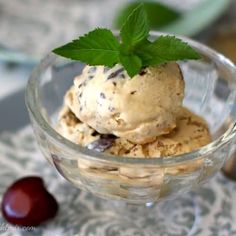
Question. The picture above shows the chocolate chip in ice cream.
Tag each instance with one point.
(108, 136)
(115, 73)
(142, 72)
(102, 144)
(111, 109)
(105, 69)
(90, 77)
(92, 69)
(95, 133)
(133, 92)
(102, 95)
(80, 85)
(122, 76)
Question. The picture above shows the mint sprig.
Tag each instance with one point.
(101, 47)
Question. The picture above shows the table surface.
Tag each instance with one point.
(13, 113)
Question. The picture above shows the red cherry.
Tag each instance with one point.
(28, 203)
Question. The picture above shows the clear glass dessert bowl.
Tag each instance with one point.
(210, 92)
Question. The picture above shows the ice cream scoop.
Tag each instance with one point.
(137, 109)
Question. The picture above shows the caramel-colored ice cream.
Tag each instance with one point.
(190, 134)
(137, 109)
(71, 128)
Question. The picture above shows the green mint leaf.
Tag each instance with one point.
(101, 47)
(165, 49)
(135, 28)
(131, 63)
(158, 14)
(98, 47)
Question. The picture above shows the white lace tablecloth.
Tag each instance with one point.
(81, 214)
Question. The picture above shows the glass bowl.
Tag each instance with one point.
(210, 92)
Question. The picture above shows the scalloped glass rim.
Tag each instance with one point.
(33, 105)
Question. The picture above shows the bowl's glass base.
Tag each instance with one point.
(174, 217)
